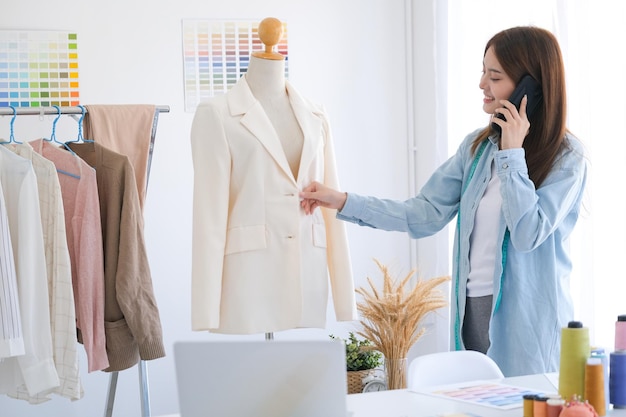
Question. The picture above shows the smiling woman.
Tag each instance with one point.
(582, 30)
(515, 197)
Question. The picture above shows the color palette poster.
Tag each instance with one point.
(38, 68)
(496, 395)
(216, 54)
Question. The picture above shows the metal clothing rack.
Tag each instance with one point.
(35, 111)
(79, 110)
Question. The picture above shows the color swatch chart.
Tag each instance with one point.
(216, 55)
(489, 394)
(38, 68)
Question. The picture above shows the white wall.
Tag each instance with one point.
(348, 55)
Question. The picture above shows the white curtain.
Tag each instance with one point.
(592, 35)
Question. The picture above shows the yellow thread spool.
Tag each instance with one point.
(575, 350)
(529, 400)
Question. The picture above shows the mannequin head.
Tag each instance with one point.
(270, 33)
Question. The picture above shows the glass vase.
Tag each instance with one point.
(395, 369)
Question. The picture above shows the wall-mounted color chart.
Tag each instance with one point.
(216, 55)
(38, 68)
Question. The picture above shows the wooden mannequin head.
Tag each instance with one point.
(270, 33)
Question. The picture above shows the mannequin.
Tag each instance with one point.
(266, 79)
(259, 263)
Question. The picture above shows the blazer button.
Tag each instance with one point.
(505, 165)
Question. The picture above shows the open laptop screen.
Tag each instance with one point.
(261, 378)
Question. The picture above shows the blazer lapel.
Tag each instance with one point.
(253, 117)
(311, 125)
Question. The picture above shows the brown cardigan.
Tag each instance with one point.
(132, 324)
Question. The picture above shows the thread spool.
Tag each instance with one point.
(594, 385)
(540, 406)
(555, 406)
(600, 353)
(620, 332)
(617, 379)
(529, 400)
(575, 350)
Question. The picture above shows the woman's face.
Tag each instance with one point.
(494, 82)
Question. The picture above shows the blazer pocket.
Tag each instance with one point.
(319, 235)
(242, 239)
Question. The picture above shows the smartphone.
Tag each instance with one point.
(527, 86)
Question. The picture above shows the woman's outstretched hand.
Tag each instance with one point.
(318, 195)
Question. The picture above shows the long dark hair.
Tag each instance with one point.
(535, 51)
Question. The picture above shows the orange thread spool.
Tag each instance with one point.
(594, 385)
(540, 406)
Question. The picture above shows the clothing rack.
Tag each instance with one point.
(34, 111)
(79, 110)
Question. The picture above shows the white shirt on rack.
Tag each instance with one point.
(11, 339)
(59, 273)
(36, 367)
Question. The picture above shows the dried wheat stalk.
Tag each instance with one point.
(391, 317)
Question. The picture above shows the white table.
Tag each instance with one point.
(404, 403)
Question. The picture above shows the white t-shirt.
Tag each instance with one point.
(484, 241)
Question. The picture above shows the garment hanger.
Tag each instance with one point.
(80, 126)
(53, 138)
(80, 137)
(12, 136)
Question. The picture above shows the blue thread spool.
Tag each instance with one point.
(617, 379)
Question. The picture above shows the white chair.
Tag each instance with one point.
(444, 368)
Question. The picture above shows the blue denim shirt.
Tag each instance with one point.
(532, 299)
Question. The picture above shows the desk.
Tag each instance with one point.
(404, 403)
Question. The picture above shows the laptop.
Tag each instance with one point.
(266, 378)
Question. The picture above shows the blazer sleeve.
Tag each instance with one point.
(338, 253)
(211, 164)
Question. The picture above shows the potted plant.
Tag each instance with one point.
(361, 361)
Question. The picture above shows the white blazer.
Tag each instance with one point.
(259, 263)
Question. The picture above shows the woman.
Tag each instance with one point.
(516, 196)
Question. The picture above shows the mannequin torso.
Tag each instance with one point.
(266, 79)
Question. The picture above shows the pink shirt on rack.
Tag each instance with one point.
(84, 239)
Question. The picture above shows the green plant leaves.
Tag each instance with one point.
(360, 354)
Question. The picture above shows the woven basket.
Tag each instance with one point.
(355, 380)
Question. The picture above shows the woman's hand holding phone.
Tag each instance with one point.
(513, 124)
(515, 128)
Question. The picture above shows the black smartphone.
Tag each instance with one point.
(527, 86)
